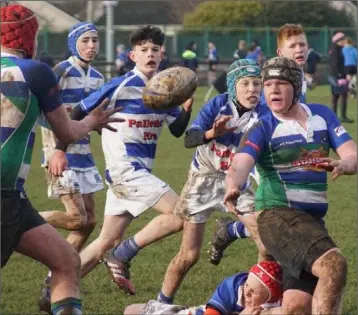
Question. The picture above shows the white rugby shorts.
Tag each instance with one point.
(204, 193)
(135, 195)
(72, 182)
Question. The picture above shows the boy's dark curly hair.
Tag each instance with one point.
(149, 33)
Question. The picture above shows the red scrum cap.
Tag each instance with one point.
(19, 27)
(269, 273)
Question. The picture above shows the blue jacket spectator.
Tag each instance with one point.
(350, 57)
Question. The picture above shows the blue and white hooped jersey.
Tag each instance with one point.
(75, 85)
(217, 154)
(132, 148)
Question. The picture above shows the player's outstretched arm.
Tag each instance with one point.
(43, 84)
(236, 177)
(68, 131)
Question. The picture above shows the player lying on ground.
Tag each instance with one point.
(216, 132)
(29, 88)
(72, 174)
(290, 146)
(292, 44)
(245, 293)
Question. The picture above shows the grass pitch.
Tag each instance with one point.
(21, 278)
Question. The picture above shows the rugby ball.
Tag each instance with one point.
(170, 88)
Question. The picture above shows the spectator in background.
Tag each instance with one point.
(213, 60)
(47, 59)
(350, 64)
(166, 61)
(336, 76)
(189, 58)
(313, 58)
(123, 63)
(241, 51)
(120, 53)
(251, 53)
(255, 52)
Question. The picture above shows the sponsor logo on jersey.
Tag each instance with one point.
(308, 160)
(340, 130)
(145, 123)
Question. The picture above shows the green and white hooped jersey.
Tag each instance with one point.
(28, 87)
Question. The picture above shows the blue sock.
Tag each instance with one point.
(237, 230)
(127, 250)
(66, 306)
(164, 299)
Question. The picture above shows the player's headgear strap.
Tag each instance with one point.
(19, 28)
(269, 273)
(75, 33)
(284, 69)
(239, 69)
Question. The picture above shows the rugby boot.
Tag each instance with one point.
(119, 272)
(220, 240)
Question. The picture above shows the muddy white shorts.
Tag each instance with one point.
(73, 182)
(204, 193)
(157, 308)
(135, 195)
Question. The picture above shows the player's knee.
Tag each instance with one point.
(332, 265)
(77, 221)
(188, 258)
(71, 264)
(175, 223)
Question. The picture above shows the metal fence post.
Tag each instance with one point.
(248, 34)
(109, 35)
(326, 40)
(268, 41)
(206, 39)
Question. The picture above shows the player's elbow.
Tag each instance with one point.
(189, 143)
(177, 130)
(177, 134)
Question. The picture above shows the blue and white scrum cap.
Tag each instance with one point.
(75, 33)
(240, 69)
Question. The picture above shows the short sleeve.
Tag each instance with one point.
(206, 116)
(338, 135)
(225, 297)
(93, 100)
(59, 71)
(43, 84)
(253, 142)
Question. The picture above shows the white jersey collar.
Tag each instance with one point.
(4, 54)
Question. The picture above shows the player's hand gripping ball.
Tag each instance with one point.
(170, 88)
